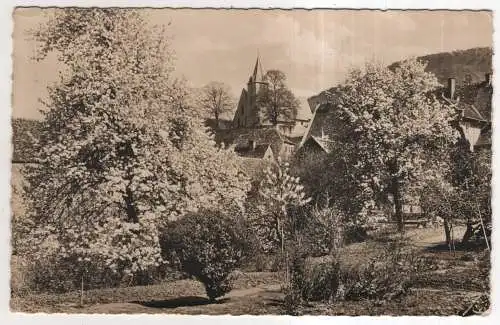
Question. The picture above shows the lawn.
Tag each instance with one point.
(446, 289)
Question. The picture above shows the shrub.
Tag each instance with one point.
(384, 277)
(323, 230)
(323, 282)
(207, 246)
(293, 290)
(263, 262)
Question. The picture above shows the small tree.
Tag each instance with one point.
(216, 99)
(395, 132)
(463, 194)
(275, 99)
(280, 191)
(207, 246)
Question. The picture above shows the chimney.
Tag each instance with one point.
(451, 87)
(487, 78)
(253, 145)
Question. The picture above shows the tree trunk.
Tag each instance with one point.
(468, 232)
(132, 213)
(398, 204)
(447, 232)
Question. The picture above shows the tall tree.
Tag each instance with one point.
(275, 99)
(216, 99)
(396, 131)
(121, 150)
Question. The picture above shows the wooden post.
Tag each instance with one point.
(81, 293)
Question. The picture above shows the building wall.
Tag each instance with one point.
(247, 114)
(472, 131)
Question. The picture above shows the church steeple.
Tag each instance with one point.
(256, 69)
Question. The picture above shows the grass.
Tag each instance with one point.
(446, 289)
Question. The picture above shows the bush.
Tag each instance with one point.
(207, 246)
(385, 277)
(310, 282)
(293, 290)
(323, 282)
(54, 274)
(263, 262)
(323, 231)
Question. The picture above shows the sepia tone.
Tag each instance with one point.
(284, 162)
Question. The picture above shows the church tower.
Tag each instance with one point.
(247, 113)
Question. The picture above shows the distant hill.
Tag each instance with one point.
(475, 62)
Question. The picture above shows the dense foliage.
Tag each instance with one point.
(395, 132)
(121, 150)
(275, 100)
(207, 246)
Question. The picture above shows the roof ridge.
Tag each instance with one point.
(477, 112)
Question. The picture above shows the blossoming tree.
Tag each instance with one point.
(122, 150)
(396, 131)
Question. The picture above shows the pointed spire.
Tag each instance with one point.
(255, 69)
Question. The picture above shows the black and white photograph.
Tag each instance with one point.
(203, 161)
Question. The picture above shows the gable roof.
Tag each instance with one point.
(319, 115)
(241, 137)
(476, 100)
(250, 152)
(484, 138)
(254, 168)
(325, 144)
(24, 134)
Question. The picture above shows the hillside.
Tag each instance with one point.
(458, 64)
(475, 62)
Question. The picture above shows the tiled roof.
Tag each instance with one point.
(241, 137)
(325, 144)
(254, 168)
(476, 101)
(250, 152)
(24, 133)
(484, 139)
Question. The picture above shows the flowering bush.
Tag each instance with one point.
(121, 149)
(207, 246)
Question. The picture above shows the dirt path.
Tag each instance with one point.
(239, 301)
(428, 237)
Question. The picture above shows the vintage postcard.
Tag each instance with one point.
(251, 162)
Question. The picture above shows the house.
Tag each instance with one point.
(319, 136)
(220, 124)
(474, 104)
(256, 151)
(245, 139)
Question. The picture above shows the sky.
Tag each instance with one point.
(315, 48)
